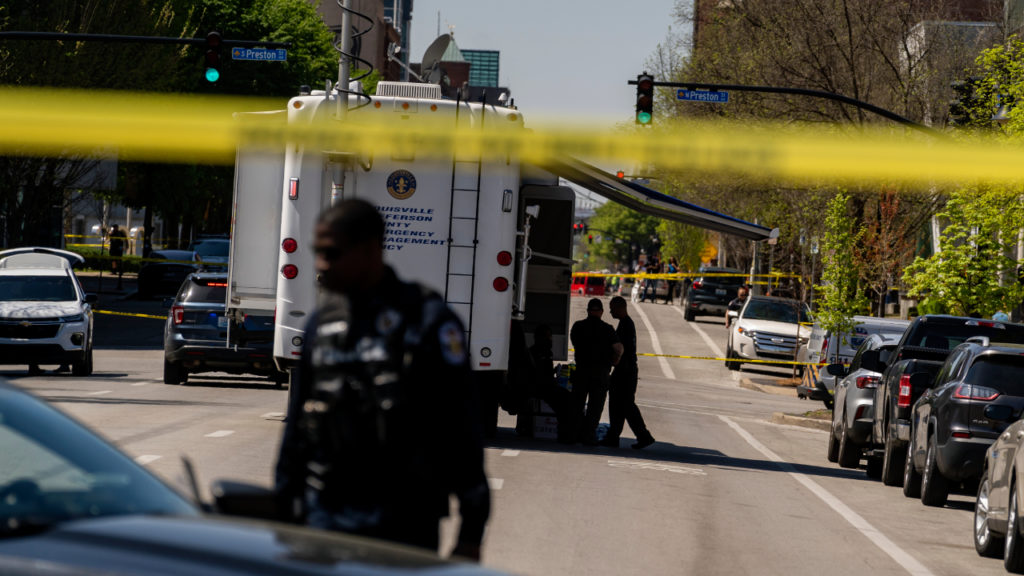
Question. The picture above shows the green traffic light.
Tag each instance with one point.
(643, 117)
(212, 74)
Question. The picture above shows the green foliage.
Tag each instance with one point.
(975, 269)
(997, 78)
(620, 229)
(682, 242)
(839, 297)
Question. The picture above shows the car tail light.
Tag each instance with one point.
(697, 284)
(860, 412)
(975, 392)
(867, 381)
(903, 401)
(823, 358)
(289, 271)
(961, 434)
(178, 314)
(289, 245)
(500, 284)
(504, 258)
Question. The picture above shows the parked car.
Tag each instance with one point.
(587, 285)
(767, 329)
(158, 279)
(855, 398)
(825, 348)
(998, 527)
(710, 293)
(72, 503)
(45, 315)
(195, 334)
(950, 432)
(212, 252)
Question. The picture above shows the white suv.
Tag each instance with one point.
(45, 316)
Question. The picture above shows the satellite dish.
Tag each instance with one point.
(432, 57)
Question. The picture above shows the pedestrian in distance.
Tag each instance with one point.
(622, 406)
(736, 304)
(671, 268)
(597, 350)
(382, 427)
(118, 239)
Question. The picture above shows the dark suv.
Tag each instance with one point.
(195, 335)
(711, 293)
(950, 428)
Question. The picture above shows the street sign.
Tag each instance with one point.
(260, 54)
(702, 96)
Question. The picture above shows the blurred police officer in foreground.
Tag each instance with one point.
(597, 349)
(382, 427)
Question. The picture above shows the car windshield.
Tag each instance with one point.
(53, 470)
(210, 248)
(36, 289)
(778, 311)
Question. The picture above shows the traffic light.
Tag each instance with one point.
(590, 238)
(644, 99)
(620, 174)
(213, 48)
(966, 98)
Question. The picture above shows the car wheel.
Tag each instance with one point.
(731, 364)
(892, 463)
(934, 488)
(688, 315)
(849, 454)
(911, 477)
(985, 542)
(173, 373)
(83, 367)
(874, 468)
(1013, 553)
(833, 444)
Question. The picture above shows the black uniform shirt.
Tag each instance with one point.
(626, 333)
(593, 340)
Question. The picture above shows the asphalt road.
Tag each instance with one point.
(723, 491)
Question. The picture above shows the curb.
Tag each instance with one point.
(779, 390)
(792, 420)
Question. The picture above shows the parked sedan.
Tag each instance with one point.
(71, 503)
(855, 398)
(196, 331)
(950, 428)
(767, 329)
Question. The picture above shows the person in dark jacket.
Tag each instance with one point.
(597, 350)
(382, 426)
(622, 406)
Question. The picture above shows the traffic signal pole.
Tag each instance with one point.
(803, 92)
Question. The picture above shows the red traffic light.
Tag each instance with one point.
(620, 174)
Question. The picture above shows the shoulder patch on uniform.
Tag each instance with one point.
(453, 346)
(387, 320)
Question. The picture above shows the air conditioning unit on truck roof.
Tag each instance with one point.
(492, 236)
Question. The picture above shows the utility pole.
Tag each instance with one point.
(345, 60)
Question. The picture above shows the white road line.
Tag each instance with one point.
(220, 433)
(495, 483)
(147, 458)
(707, 339)
(99, 393)
(655, 343)
(510, 453)
(908, 562)
(272, 415)
(140, 383)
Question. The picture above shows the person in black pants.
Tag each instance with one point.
(622, 390)
(597, 350)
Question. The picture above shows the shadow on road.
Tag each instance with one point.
(231, 382)
(665, 452)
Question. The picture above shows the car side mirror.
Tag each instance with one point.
(872, 360)
(733, 313)
(999, 412)
(168, 302)
(243, 499)
(836, 370)
(91, 298)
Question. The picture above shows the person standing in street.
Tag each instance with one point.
(671, 268)
(597, 350)
(382, 427)
(736, 304)
(117, 241)
(622, 406)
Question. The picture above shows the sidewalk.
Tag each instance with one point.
(769, 385)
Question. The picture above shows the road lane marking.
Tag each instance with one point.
(99, 393)
(220, 433)
(707, 339)
(272, 415)
(495, 483)
(147, 458)
(908, 562)
(140, 383)
(634, 465)
(655, 343)
(510, 453)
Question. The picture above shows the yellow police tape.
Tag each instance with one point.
(169, 128)
(740, 360)
(132, 314)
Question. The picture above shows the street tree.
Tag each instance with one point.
(839, 297)
(623, 234)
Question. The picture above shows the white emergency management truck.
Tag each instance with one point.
(493, 237)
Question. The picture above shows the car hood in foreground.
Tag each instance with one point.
(156, 546)
(784, 328)
(39, 309)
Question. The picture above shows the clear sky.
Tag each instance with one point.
(565, 58)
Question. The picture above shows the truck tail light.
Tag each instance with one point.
(293, 189)
(867, 381)
(903, 400)
(289, 245)
(504, 258)
(289, 271)
(975, 392)
(177, 314)
(500, 284)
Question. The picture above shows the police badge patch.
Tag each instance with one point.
(453, 347)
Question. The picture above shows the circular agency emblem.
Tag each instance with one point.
(401, 184)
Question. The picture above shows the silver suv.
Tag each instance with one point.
(855, 400)
(45, 316)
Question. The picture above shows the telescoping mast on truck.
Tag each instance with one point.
(493, 236)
